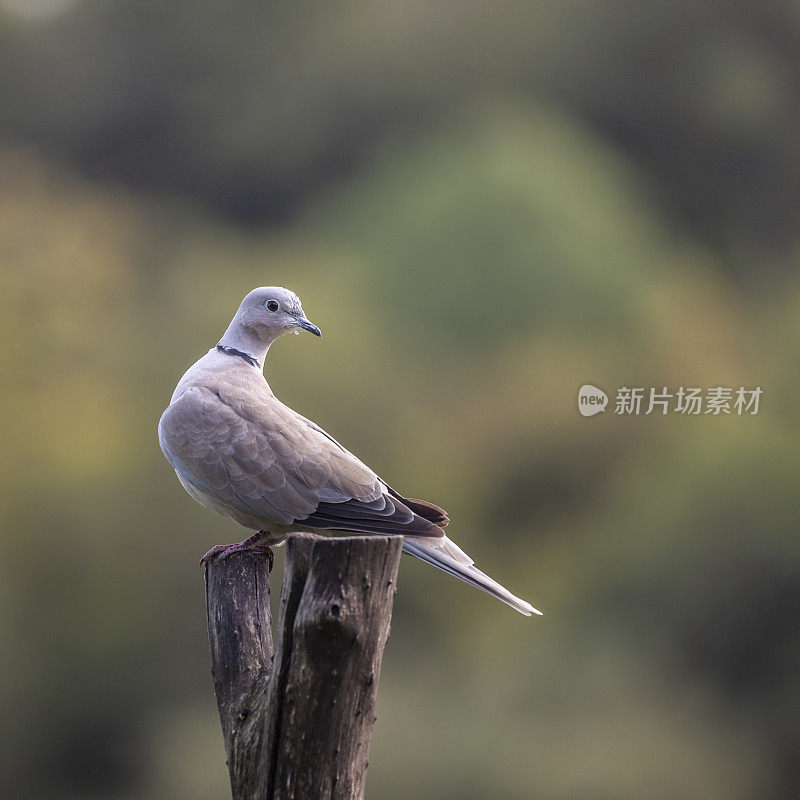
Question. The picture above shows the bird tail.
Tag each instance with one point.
(448, 556)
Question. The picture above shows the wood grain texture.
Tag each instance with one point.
(301, 729)
(240, 641)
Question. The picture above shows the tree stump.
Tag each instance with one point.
(297, 721)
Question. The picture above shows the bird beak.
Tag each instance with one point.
(303, 323)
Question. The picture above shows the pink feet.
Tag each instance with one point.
(258, 542)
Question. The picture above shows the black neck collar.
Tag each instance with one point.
(232, 351)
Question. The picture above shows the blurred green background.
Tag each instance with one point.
(483, 205)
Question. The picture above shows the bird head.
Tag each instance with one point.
(270, 311)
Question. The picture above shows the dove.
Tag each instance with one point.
(241, 452)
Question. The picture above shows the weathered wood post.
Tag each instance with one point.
(297, 722)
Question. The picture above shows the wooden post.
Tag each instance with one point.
(301, 729)
(240, 640)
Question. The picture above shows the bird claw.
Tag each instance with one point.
(253, 544)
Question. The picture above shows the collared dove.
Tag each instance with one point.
(242, 453)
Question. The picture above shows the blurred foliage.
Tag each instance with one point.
(253, 107)
(483, 208)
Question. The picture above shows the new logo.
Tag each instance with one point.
(591, 400)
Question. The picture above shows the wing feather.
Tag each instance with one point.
(263, 459)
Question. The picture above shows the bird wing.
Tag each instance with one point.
(260, 457)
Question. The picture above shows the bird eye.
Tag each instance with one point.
(272, 305)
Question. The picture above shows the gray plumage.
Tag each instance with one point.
(242, 453)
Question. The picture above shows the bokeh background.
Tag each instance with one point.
(484, 205)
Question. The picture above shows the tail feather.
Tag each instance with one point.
(449, 557)
(430, 511)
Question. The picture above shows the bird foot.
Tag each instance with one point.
(259, 542)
